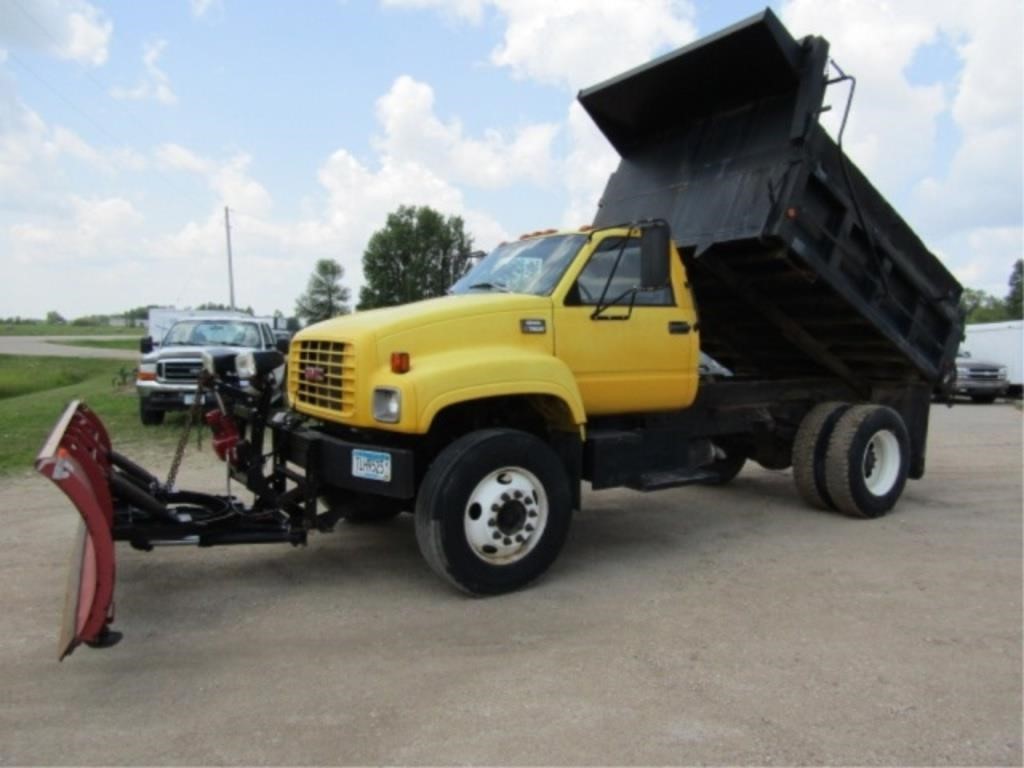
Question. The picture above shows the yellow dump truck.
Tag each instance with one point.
(734, 227)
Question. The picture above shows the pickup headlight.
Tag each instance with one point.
(208, 363)
(1002, 371)
(245, 365)
(253, 364)
(387, 404)
(962, 373)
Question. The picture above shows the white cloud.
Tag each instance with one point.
(95, 228)
(68, 29)
(590, 162)
(574, 43)
(154, 85)
(412, 131)
(577, 43)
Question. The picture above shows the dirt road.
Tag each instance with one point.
(699, 625)
(50, 346)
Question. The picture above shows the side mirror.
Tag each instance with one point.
(146, 345)
(654, 256)
(282, 345)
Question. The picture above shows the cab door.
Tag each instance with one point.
(631, 350)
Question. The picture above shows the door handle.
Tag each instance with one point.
(678, 327)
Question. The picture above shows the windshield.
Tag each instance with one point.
(525, 266)
(228, 333)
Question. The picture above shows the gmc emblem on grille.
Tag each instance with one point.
(314, 374)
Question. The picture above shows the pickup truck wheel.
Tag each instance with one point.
(493, 511)
(867, 461)
(809, 450)
(149, 417)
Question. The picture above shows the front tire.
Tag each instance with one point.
(149, 417)
(493, 511)
(868, 460)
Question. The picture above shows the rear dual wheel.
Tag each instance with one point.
(852, 458)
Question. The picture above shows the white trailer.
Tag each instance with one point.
(1001, 343)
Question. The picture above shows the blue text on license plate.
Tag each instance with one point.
(371, 465)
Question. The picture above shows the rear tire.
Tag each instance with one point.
(493, 511)
(867, 461)
(149, 417)
(809, 449)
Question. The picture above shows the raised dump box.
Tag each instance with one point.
(799, 265)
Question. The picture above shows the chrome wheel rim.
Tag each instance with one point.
(505, 516)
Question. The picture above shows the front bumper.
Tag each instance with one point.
(157, 396)
(331, 462)
(981, 387)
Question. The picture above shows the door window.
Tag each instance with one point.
(590, 285)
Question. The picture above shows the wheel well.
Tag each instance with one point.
(540, 415)
(545, 416)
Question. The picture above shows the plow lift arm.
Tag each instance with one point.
(118, 500)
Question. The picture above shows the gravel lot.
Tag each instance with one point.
(698, 625)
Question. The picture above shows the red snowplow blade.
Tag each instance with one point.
(76, 456)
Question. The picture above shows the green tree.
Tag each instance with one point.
(223, 307)
(982, 307)
(1015, 298)
(418, 254)
(325, 296)
(55, 318)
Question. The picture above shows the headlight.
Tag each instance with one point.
(962, 373)
(208, 363)
(1002, 371)
(387, 404)
(245, 365)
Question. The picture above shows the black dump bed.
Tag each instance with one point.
(798, 264)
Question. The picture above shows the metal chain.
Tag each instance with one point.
(179, 452)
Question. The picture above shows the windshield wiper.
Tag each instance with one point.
(490, 287)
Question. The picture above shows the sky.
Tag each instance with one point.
(126, 127)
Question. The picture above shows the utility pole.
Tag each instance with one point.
(231, 271)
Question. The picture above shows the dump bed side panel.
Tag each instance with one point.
(799, 265)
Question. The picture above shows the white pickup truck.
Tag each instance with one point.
(168, 373)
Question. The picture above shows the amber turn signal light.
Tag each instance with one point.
(399, 362)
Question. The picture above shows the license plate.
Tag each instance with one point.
(189, 399)
(371, 465)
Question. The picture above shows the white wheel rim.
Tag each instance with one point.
(505, 516)
(881, 463)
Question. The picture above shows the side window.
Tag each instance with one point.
(590, 285)
(268, 337)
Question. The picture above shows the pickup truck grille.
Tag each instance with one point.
(323, 375)
(986, 373)
(179, 371)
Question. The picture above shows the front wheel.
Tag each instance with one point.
(493, 511)
(149, 417)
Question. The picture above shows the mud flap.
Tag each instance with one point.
(76, 457)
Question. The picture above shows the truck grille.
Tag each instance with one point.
(323, 375)
(179, 371)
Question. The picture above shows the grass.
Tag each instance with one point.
(132, 343)
(47, 329)
(35, 390)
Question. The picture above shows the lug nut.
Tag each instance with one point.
(492, 522)
(496, 535)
